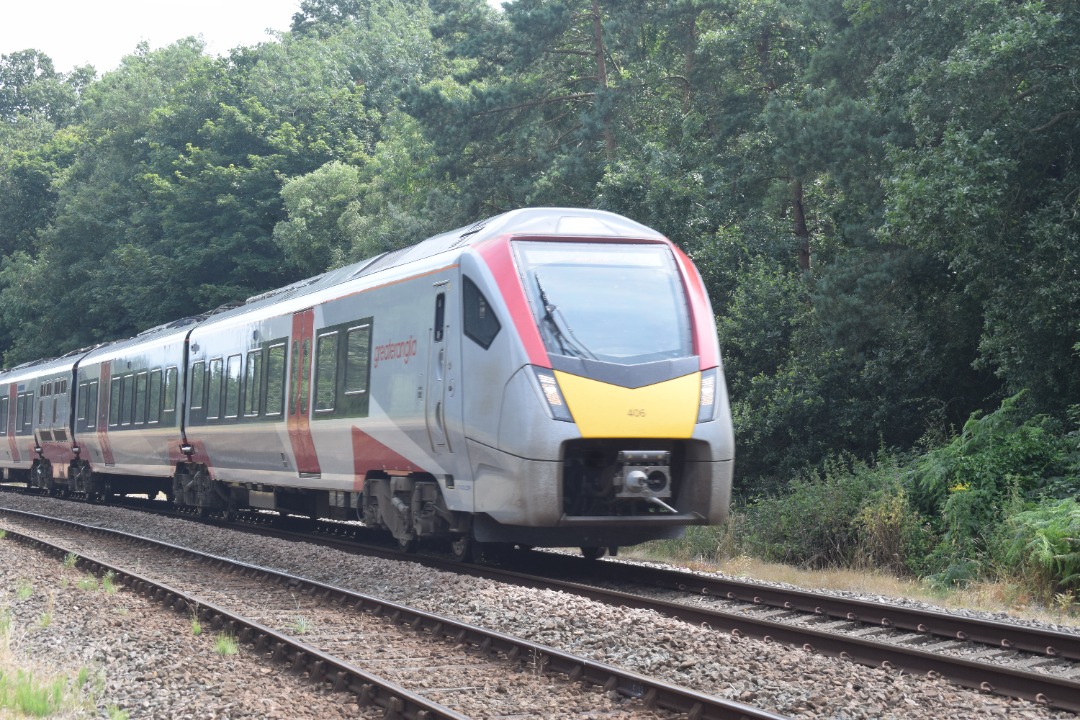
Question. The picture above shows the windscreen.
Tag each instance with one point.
(617, 303)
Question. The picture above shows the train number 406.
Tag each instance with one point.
(636, 412)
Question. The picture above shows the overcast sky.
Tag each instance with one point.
(101, 32)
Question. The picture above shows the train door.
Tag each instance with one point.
(299, 419)
(441, 407)
(12, 404)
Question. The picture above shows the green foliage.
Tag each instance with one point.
(1044, 546)
(968, 481)
(860, 515)
(226, 645)
(19, 691)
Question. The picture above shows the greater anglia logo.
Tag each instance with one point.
(396, 351)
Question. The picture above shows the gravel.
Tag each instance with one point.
(134, 655)
(783, 680)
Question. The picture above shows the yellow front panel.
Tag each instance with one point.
(664, 410)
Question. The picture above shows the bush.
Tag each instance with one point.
(972, 484)
(850, 514)
(1044, 546)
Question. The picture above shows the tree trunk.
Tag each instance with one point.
(601, 76)
(802, 233)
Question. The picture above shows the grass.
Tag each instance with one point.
(226, 645)
(21, 692)
(707, 549)
(23, 590)
(87, 582)
(70, 559)
(108, 582)
(26, 693)
(301, 625)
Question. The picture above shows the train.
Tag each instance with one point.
(548, 377)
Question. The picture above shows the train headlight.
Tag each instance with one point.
(707, 405)
(555, 400)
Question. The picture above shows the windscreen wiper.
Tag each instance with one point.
(568, 342)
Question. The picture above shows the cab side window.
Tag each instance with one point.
(481, 325)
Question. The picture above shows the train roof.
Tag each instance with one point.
(526, 222)
(46, 366)
(530, 222)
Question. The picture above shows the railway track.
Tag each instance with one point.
(428, 666)
(1032, 663)
(1021, 661)
(992, 657)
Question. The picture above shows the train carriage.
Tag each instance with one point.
(127, 413)
(36, 436)
(544, 377)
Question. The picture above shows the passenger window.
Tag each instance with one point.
(326, 372)
(481, 326)
(275, 379)
(198, 385)
(4, 403)
(153, 412)
(80, 405)
(114, 402)
(252, 383)
(213, 400)
(55, 410)
(357, 358)
(140, 399)
(127, 399)
(91, 404)
(41, 411)
(168, 404)
(232, 386)
(20, 412)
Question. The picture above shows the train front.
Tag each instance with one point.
(614, 427)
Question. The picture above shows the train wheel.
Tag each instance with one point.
(592, 553)
(461, 548)
(407, 544)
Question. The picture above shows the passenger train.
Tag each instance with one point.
(546, 377)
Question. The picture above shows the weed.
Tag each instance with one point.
(24, 589)
(109, 582)
(70, 559)
(301, 625)
(88, 582)
(115, 713)
(196, 626)
(3, 534)
(226, 645)
(46, 617)
(23, 694)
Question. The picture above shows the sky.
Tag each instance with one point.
(101, 32)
